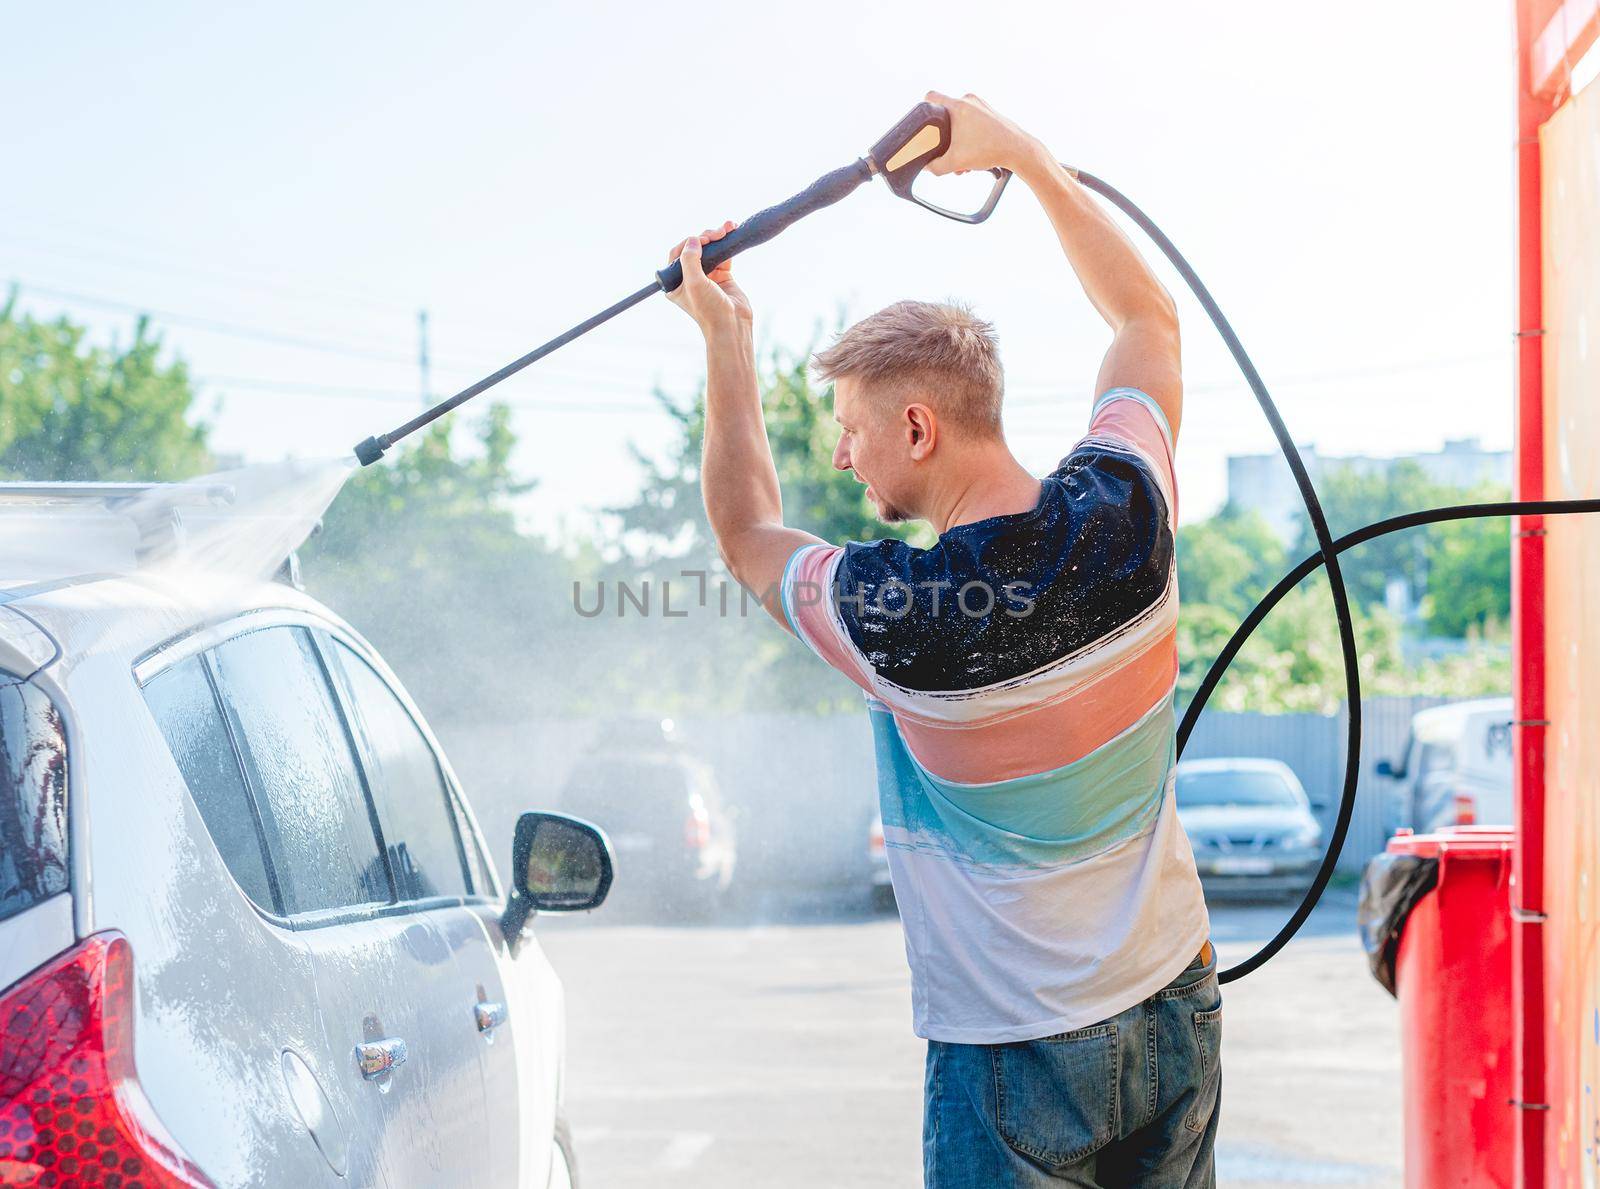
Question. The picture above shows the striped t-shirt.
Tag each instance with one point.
(1019, 676)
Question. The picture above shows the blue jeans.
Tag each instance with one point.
(1129, 1101)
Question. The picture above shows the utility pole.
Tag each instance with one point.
(422, 358)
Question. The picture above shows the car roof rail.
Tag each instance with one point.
(155, 509)
(110, 494)
(160, 515)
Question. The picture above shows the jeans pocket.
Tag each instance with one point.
(1208, 1042)
(1056, 1098)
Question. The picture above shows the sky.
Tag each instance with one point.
(284, 188)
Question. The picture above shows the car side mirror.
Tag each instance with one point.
(558, 864)
(1319, 805)
(1385, 768)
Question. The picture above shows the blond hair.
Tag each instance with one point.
(943, 350)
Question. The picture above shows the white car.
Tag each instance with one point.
(1456, 770)
(249, 931)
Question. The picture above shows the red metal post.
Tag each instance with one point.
(1527, 612)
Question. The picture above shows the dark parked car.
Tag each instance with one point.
(663, 810)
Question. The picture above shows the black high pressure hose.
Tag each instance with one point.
(1327, 554)
(1326, 550)
(1368, 532)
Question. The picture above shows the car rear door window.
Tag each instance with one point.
(482, 877)
(33, 797)
(407, 786)
(185, 708)
(298, 757)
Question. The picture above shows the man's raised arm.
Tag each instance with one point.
(1144, 322)
(737, 476)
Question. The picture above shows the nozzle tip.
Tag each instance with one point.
(369, 451)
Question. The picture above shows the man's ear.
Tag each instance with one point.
(921, 430)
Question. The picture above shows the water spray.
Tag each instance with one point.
(899, 157)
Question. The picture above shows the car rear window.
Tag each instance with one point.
(299, 762)
(33, 797)
(185, 708)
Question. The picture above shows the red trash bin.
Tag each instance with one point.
(1453, 978)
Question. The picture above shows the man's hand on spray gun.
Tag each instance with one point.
(982, 138)
(714, 300)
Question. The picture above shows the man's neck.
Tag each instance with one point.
(992, 483)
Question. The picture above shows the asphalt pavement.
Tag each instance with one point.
(781, 1054)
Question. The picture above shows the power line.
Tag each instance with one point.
(343, 349)
(96, 257)
(212, 325)
(395, 396)
(296, 342)
(231, 280)
(239, 282)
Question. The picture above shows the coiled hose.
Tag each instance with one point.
(1327, 555)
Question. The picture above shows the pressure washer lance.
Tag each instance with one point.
(922, 135)
(900, 156)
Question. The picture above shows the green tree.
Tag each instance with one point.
(1459, 571)
(1469, 575)
(71, 410)
(1352, 498)
(1293, 662)
(1228, 561)
(423, 554)
(669, 515)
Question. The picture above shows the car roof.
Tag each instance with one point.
(55, 531)
(128, 616)
(95, 568)
(1449, 722)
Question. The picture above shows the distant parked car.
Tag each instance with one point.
(665, 813)
(1251, 825)
(250, 933)
(1457, 768)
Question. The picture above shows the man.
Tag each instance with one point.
(1019, 676)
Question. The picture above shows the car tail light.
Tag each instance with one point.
(697, 826)
(71, 1111)
(1466, 810)
(875, 839)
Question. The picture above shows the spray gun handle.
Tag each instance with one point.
(763, 225)
(922, 134)
(908, 147)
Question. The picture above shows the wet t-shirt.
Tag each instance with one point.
(1019, 675)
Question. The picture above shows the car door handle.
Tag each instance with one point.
(376, 1058)
(489, 1015)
